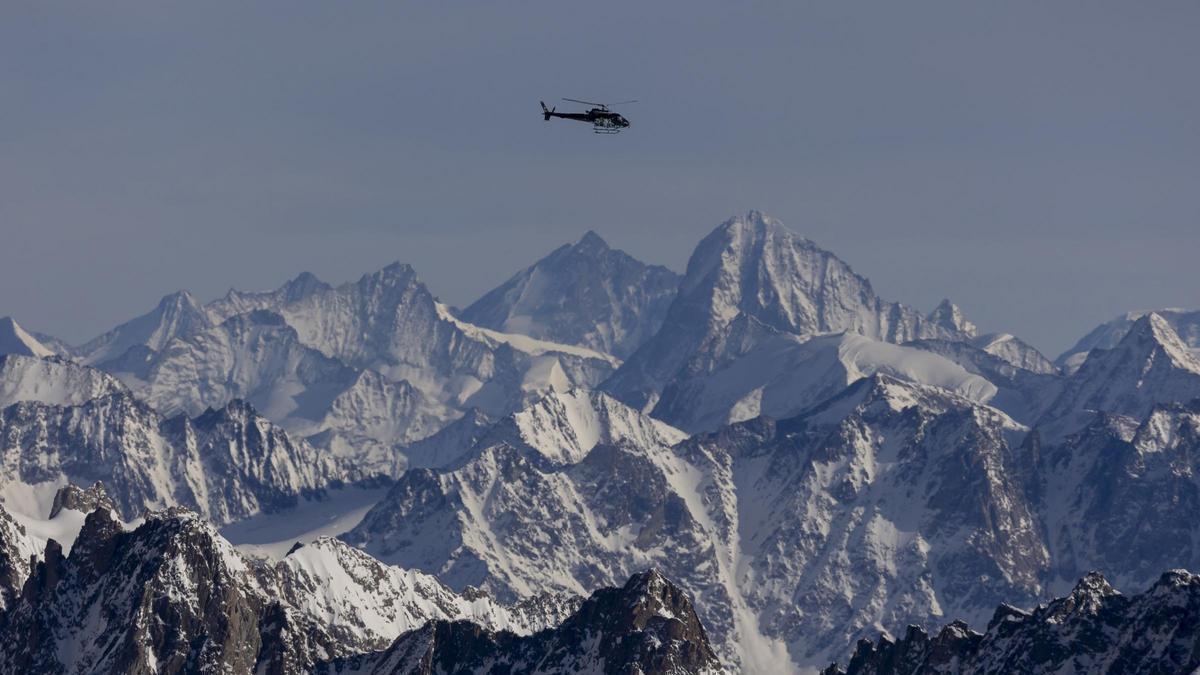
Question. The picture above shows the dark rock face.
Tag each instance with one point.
(76, 498)
(165, 598)
(648, 627)
(16, 549)
(1095, 629)
(173, 596)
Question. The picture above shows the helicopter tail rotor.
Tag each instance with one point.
(546, 112)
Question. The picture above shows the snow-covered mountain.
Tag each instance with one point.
(390, 322)
(227, 463)
(583, 294)
(172, 596)
(1120, 495)
(176, 315)
(363, 605)
(856, 466)
(746, 369)
(1016, 352)
(1023, 393)
(358, 369)
(52, 380)
(1093, 629)
(754, 266)
(864, 513)
(648, 626)
(15, 340)
(1149, 366)
(258, 357)
(1186, 323)
(236, 302)
(560, 428)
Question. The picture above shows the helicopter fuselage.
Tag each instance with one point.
(602, 121)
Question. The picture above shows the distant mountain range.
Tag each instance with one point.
(802, 463)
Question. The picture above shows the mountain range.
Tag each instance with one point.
(762, 454)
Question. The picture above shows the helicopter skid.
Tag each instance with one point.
(605, 130)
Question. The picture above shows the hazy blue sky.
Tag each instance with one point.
(1038, 162)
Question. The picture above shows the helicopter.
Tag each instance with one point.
(604, 121)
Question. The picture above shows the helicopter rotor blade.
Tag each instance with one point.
(623, 102)
(575, 100)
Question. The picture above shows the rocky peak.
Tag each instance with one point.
(1185, 323)
(1088, 597)
(304, 285)
(52, 380)
(1149, 366)
(76, 498)
(754, 266)
(239, 302)
(176, 315)
(396, 275)
(15, 340)
(648, 626)
(584, 294)
(1150, 632)
(950, 318)
(591, 243)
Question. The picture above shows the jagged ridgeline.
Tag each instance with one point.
(172, 596)
(1094, 629)
(804, 462)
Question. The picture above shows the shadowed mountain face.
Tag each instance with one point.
(172, 596)
(584, 294)
(1094, 629)
(648, 627)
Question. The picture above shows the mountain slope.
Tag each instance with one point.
(891, 503)
(1016, 352)
(15, 340)
(172, 596)
(754, 266)
(748, 369)
(176, 315)
(1094, 629)
(227, 463)
(1120, 495)
(560, 428)
(584, 294)
(1149, 366)
(236, 302)
(389, 322)
(648, 626)
(52, 380)
(1186, 323)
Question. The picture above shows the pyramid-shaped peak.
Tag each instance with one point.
(305, 278)
(949, 316)
(1152, 331)
(16, 340)
(395, 274)
(181, 299)
(592, 243)
(302, 286)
